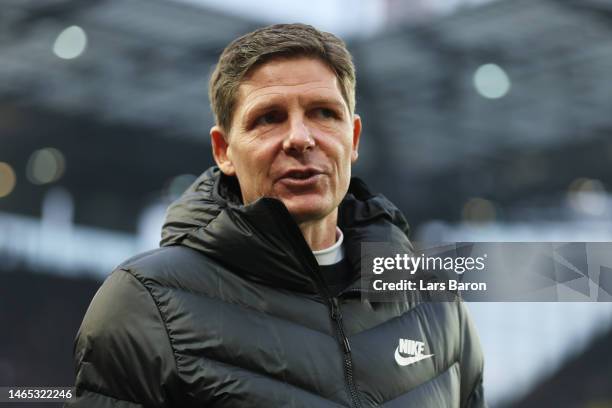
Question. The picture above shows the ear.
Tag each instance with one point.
(356, 136)
(220, 148)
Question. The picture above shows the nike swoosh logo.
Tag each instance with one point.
(404, 361)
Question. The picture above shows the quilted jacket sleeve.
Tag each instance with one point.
(472, 364)
(122, 352)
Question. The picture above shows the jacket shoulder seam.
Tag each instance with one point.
(137, 272)
(161, 315)
(246, 307)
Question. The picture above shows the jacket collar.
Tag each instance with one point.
(261, 241)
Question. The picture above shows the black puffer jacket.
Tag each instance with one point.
(232, 312)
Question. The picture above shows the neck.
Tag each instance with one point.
(320, 234)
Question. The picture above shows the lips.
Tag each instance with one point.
(300, 174)
(300, 177)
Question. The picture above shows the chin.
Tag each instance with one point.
(309, 211)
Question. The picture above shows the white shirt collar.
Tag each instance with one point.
(332, 254)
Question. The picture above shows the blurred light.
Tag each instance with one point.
(478, 210)
(45, 166)
(150, 222)
(179, 184)
(587, 196)
(57, 208)
(491, 81)
(7, 179)
(70, 43)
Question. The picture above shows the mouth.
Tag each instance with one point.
(300, 177)
(300, 174)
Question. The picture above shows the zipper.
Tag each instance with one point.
(336, 315)
(350, 291)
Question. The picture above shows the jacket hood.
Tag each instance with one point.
(261, 241)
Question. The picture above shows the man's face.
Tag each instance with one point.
(292, 138)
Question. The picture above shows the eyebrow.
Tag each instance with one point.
(277, 101)
(328, 102)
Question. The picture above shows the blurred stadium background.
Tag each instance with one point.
(483, 121)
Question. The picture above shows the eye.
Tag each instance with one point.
(325, 113)
(269, 118)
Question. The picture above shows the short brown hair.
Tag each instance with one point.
(264, 44)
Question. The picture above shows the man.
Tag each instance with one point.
(253, 299)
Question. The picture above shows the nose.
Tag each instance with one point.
(299, 140)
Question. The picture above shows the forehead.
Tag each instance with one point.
(301, 76)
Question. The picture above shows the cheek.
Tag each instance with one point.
(253, 165)
(342, 154)
(343, 151)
